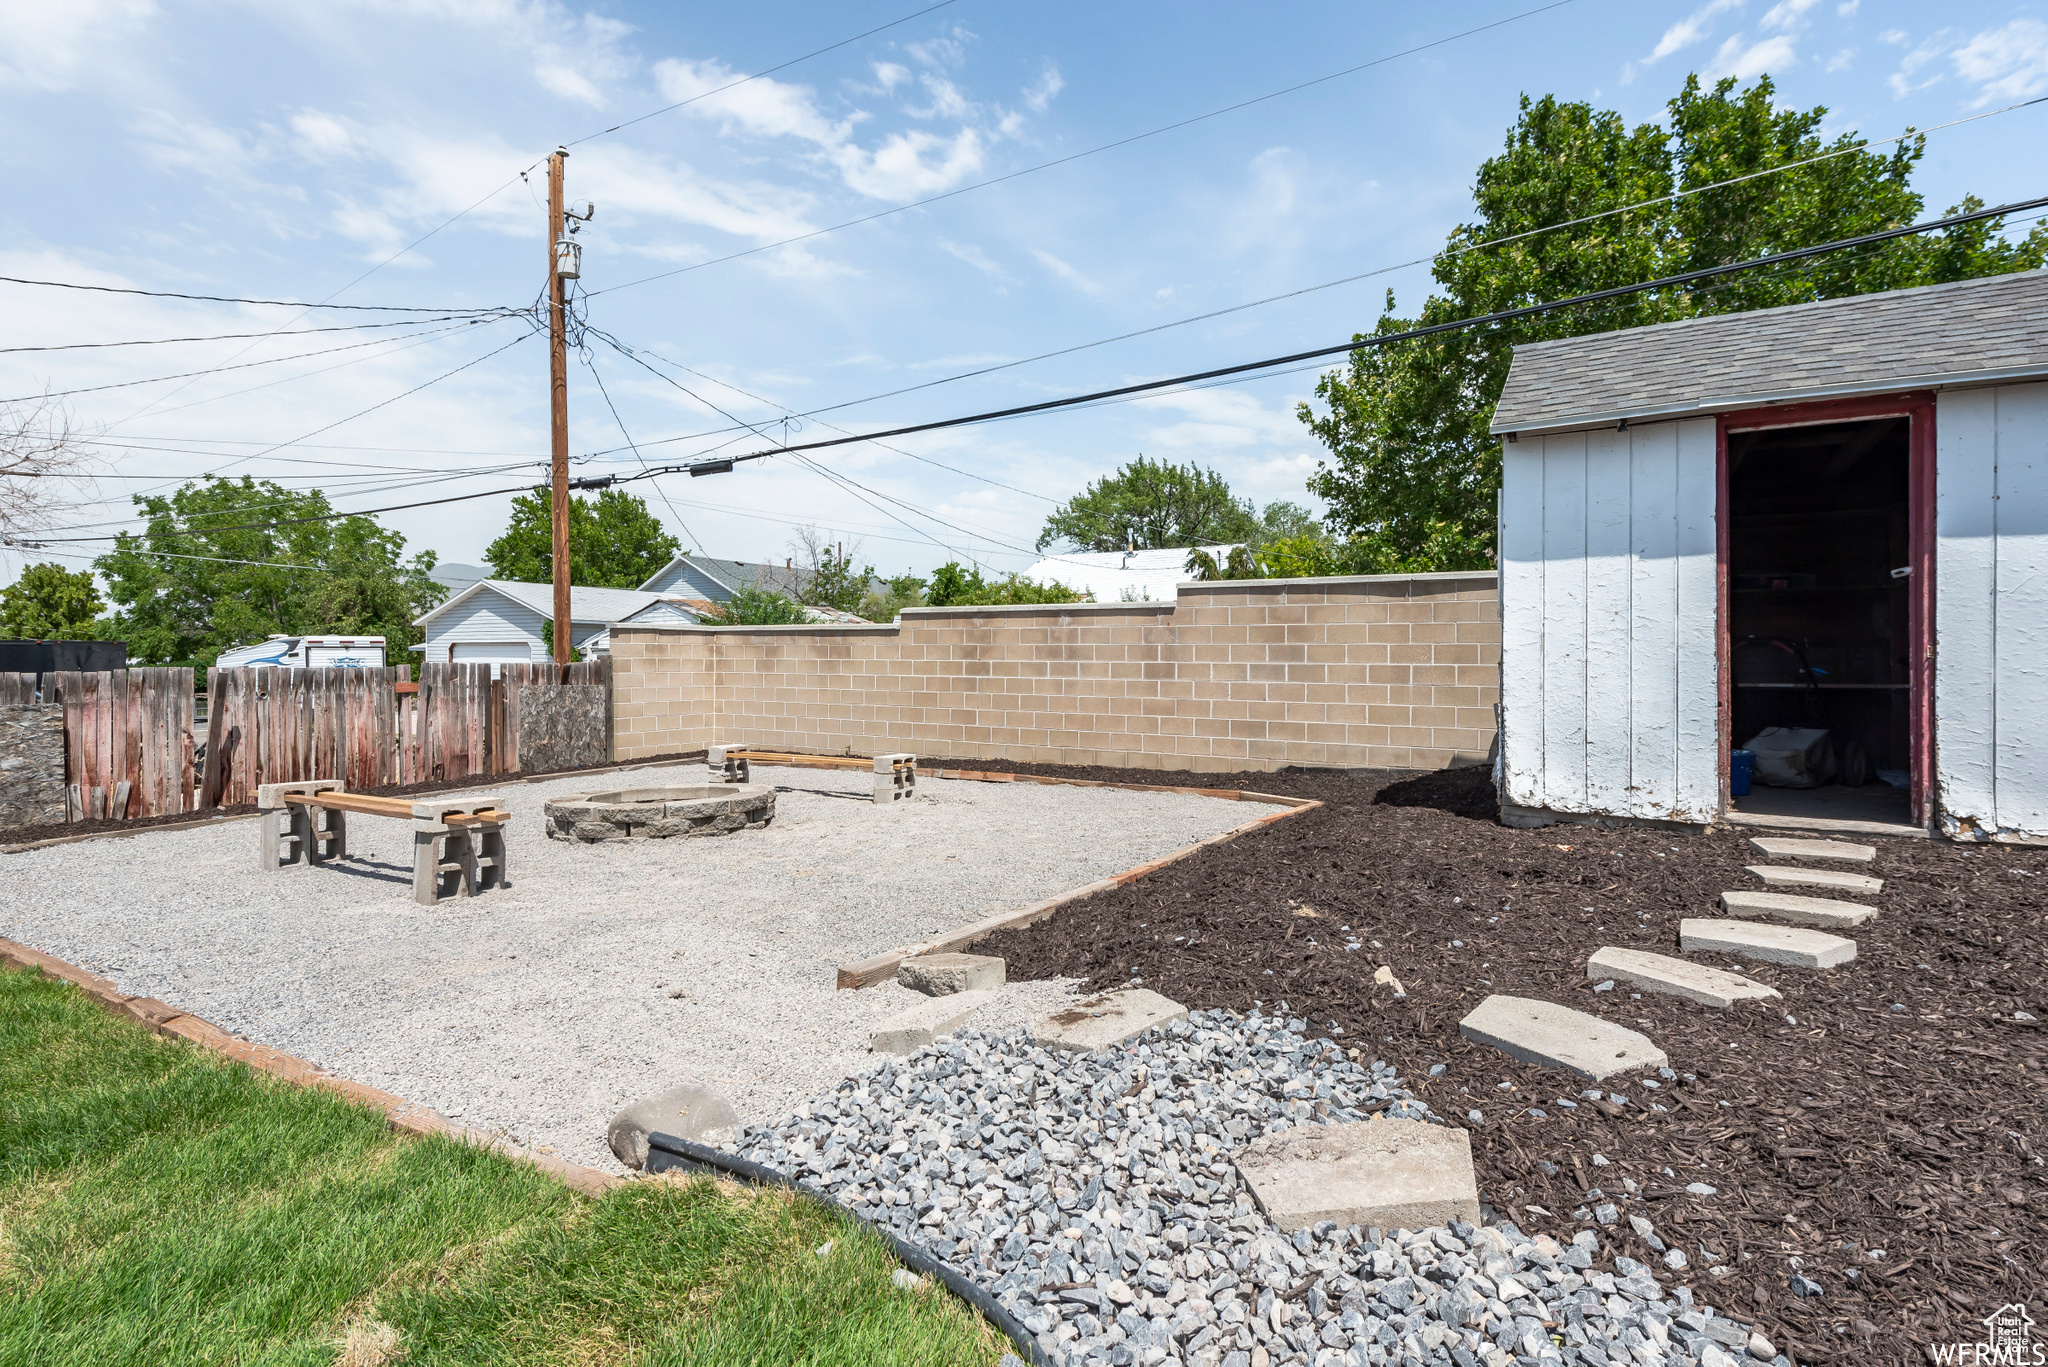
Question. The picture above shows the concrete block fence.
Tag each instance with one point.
(1369, 671)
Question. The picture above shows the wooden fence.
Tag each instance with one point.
(129, 738)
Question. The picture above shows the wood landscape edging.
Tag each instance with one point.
(868, 972)
(399, 1114)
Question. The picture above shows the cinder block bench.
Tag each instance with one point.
(459, 846)
(895, 775)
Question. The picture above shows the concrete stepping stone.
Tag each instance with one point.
(1553, 1036)
(939, 975)
(1779, 847)
(1393, 1174)
(1671, 977)
(1105, 1021)
(1794, 910)
(1834, 880)
(1768, 944)
(908, 1031)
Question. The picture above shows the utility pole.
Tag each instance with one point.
(558, 401)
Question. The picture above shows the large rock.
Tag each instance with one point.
(1105, 1021)
(1834, 880)
(660, 813)
(1553, 1036)
(1768, 944)
(1395, 1174)
(1781, 847)
(940, 975)
(1794, 910)
(1671, 977)
(691, 1111)
(910, 1030)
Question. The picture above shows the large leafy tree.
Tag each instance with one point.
(614, 541)
(51, 603)
(1413, 474)
(1152, 504)
(223, 562)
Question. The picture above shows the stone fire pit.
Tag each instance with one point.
(658, 813)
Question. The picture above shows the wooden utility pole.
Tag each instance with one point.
(558, 404)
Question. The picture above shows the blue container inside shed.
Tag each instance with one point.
(1741, 768)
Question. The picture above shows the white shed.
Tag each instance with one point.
(1832, 516)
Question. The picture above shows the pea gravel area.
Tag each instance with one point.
(604, 973)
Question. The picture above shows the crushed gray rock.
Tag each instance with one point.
(1095, 1196)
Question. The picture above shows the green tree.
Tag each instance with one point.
(835, 583)
(757, 608)
(614, 542)
(221, 563)
(1152, 505)
(1413, 473)
(953, 586)
(887, 603)
(51, 603)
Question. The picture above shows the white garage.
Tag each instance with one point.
(1821, 528)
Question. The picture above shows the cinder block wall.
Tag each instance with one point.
(1396, 671)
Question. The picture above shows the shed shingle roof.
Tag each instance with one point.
(1968, 331)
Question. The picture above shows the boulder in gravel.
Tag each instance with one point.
(1394, 1174)
(1105, 1021)
(691, 1111)
(941, 975)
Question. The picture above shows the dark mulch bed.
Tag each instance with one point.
(23, 835)
(1830, 1123)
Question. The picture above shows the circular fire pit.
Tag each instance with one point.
(658, 813)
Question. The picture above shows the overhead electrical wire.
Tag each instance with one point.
(231, 299)
(240, 336)
(1463, 250)
(1092, 151)
(591, 364)
(1356, 344)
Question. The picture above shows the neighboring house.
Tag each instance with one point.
(1827, 516)
(1124, 576)
(500, 620)
(700, 576)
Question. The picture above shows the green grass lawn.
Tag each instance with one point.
(160, 1205)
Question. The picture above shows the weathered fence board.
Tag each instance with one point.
(129, 748)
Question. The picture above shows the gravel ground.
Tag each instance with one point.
(1096, 1197)
(605, 973)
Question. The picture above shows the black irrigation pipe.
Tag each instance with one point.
(667, 1153)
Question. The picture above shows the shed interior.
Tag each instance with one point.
(1819, 633)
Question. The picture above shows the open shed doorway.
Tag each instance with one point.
(1820, 619)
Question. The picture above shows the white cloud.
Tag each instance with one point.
(1840, 61)
(889, 75)
(944, 51)
(2009, 63)
(192, 145)
(764, 107)
(1742, 59)
(947, 101)
(1848, 7)
(1786, 13)
(910, 165)
(322, 135)
(1903, 81)
(1040, 96)
(1688, 30)
(1066, 272)
(51, 44)
(973, 256)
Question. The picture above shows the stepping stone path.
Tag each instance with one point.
(1392, 1174)
(1777, 847)
(921, 1024)
(1105, 1021)
(1769, 944)
(1834, 880)
(1794, 910)
(1675, 977)
(1553, 1036)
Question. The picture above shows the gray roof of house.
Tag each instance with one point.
(1971, 331)
(586, 602)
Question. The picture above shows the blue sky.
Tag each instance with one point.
(283, 150)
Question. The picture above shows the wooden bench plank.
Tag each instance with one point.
(391, 806)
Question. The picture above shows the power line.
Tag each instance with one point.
(1361, 343)
(1351, 279)
(229, 299)
(592, 365)
(240, 336)
(1093, 151)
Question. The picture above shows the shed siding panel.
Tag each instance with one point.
(486, 617)
(1609, 673)
(1609, 584)
(1521, 623)
(1696, 694)
(1564, 624)
(1991, 611)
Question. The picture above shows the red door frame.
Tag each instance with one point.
(1918, 406)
